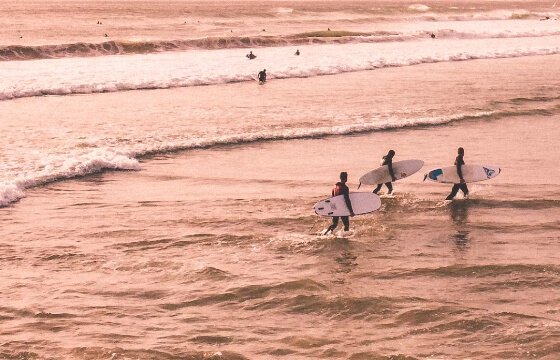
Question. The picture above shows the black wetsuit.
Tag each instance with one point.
(262, 76)
(387, 160)
(340, 188)
(460, 186)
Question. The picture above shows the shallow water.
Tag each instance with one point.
(178, 223)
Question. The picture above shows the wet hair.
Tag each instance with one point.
(343, 176)
(460, 150)
(391, 153)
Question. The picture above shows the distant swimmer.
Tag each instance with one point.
(262, 76)
(106, 35)
(340, 188)
(250, 55)
(433, 36)
(297, 52)
(387, 160)
(462, 185)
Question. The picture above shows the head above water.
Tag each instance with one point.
(343, 176)
(391, 153)
(461, 151)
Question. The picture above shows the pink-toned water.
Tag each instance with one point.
(205, 246)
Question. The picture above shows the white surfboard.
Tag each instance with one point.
(471, 173)
(362, 203)
(401, 169)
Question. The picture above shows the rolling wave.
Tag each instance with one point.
(125, 47)
(99, 160)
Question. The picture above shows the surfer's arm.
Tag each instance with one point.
(460, 172)
(390, 165)
(348, 203)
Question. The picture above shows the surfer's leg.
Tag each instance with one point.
(453, 191)
(346, 222)
(377, 188)
(464, 189)
(389, 187)
(333, 226)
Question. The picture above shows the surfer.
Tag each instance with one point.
(297, 52)
(250, 55)
(262, 76)
(387, 160)
(462, 185)
(340, 188)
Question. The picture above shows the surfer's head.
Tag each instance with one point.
(461, 151)
(391, 153)
(343, 176)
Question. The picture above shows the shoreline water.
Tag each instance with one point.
(380, 89)
(212, 252)
(180, 239)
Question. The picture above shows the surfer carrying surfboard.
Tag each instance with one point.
(340, 188)
(462, 185)
(387, 160)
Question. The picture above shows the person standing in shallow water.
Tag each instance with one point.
(462, 185)
(387, 160)
(262, 76)
(340, 188)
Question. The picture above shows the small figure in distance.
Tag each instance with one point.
(433, 36)
(297, 52)
(250, 55)
(462, 185)
(262, 76)
(340, 188)
(387, 160)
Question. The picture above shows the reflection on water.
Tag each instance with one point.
(459, 213)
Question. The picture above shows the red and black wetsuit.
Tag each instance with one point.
(340, 188)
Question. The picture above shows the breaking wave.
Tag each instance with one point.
(125, 47)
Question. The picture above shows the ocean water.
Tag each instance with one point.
(157, 203)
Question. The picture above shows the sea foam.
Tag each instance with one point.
(210, 67)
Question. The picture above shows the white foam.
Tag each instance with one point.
(207, 67)
(419, 7)
(64, 166)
